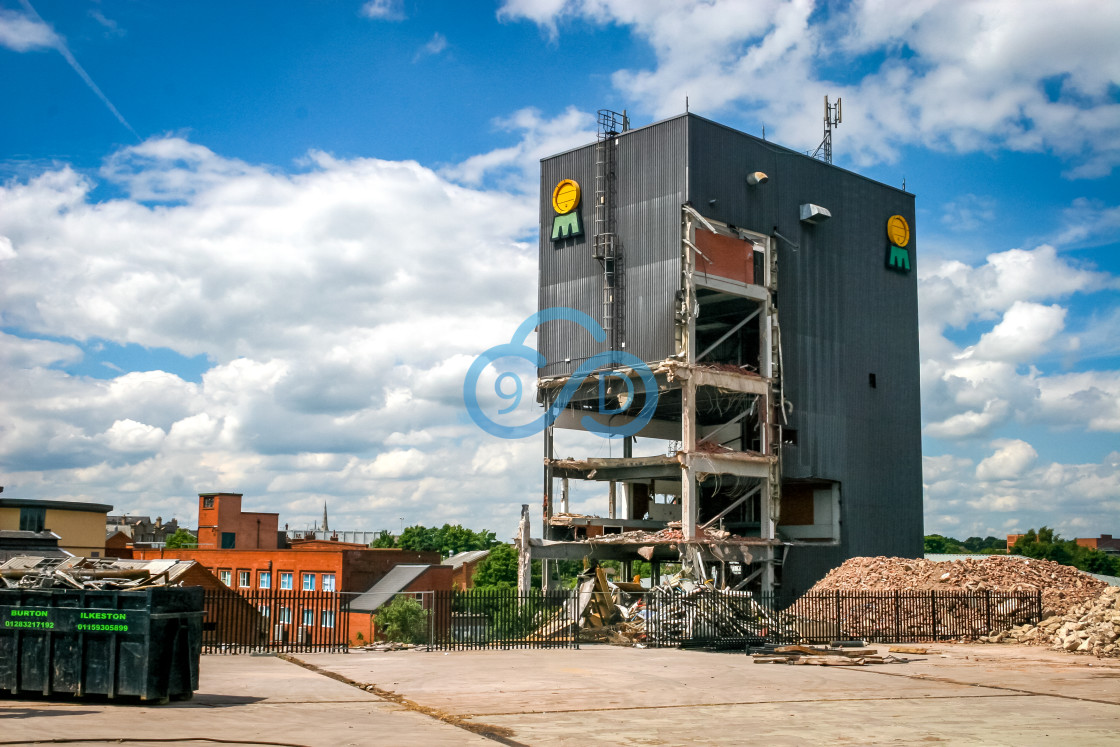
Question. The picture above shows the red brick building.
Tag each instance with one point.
(318, 565)
(252, 562)
(1104, 543)
(222, 525)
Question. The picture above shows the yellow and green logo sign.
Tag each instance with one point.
(898, 231)
(565, 201)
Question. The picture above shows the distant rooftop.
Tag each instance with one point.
(97, 508)
(470, 556)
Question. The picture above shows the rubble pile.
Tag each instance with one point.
(1091, 628)
(680, 609)
(105, 574)
(1062, 586)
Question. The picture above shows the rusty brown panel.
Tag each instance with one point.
(725, 256)
(797, 505)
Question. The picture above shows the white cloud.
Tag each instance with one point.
(1028, 76)
(1018, 492)
(518, 166)
(384, 10)
(131, 436)
(1026, 332)
(340, 307)
(1089, 222)
(433, 47)
(969, 212)
(1011, 460)
(22, 33)
(172, 169)
(996, 381)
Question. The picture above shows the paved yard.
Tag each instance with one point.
(963, 695)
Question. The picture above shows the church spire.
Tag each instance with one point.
(325, 527)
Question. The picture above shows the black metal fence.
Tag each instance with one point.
(499, 618)
(300, 621)
(723, 619)
(274, 621)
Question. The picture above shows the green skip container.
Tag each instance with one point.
(135, 644)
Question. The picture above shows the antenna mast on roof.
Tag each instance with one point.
(832, 117)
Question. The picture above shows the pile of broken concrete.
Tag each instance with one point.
(1091, 628)
(1062, 586)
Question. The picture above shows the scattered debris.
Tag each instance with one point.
(680, 609)
(27, 572)
(393, 646)
(824, 657)
(1090, 628)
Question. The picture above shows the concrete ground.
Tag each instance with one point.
(963, 695)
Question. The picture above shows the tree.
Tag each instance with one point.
(418, 539)
(181, 539)
(1046, 544)
(384, 539)
(935, 543)
(498, 570)
(404, 621)
(447, 540)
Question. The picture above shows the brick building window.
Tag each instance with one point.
(328, 582)
(309, 582)
(285, 580)
(264, 580)
(308, 618)
(229, 540)
(285, 615)
(243, 579)
(328, 619)
(224, 577)
(265, 610)
(208, 501)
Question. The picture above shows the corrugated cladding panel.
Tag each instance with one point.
(568, 274)
(651, 176)
(651, 168)
(844, 315)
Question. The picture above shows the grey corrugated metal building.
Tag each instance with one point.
(843, 413)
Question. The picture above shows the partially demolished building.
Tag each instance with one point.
(772, 429)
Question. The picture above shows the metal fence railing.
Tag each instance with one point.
(274, 621)
(725, 619)
(300, 621)
(500, 618)
(911, 616)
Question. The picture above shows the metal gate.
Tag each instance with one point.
(274, 621)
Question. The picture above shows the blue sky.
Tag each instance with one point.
(239, 243)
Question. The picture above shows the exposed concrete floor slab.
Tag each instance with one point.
(970, 695)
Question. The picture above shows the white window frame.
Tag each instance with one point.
(285, 615)
(328, 582)
(226, 577)
(244, 579)
(308, 581)
(264, 579)
(308, 617)
(287, 578)
(327, 619)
